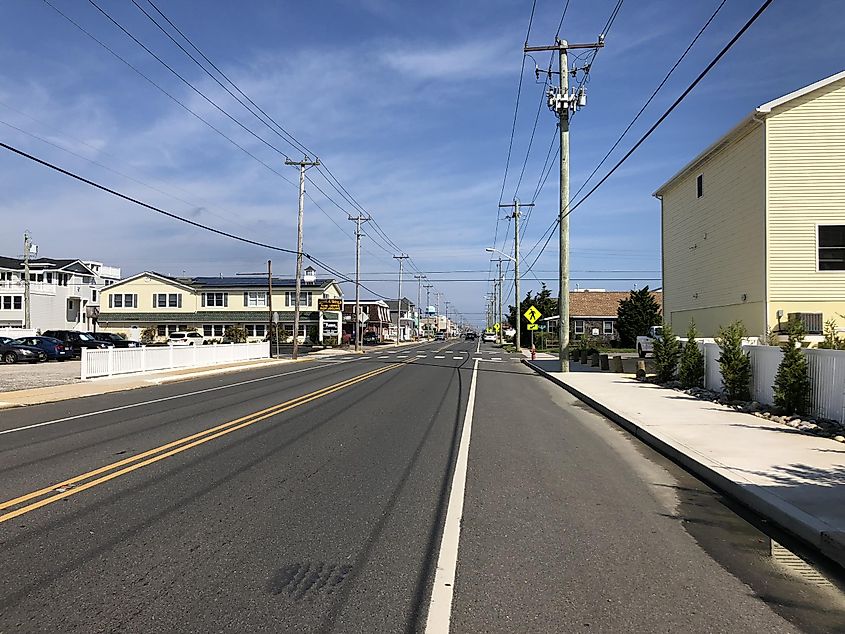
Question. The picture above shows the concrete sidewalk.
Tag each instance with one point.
(795, 480)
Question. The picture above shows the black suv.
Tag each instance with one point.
(117, 341)
(75, 341)
(469, 336)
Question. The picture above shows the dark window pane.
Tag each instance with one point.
(832, 236)
(832, 259)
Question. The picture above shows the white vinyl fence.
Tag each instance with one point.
(113, 361)
(826, 370)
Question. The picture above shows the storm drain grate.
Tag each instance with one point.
(305, 579)
(795, 564)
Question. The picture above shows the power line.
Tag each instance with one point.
(651, 98)
(172, 215)
(663, 117)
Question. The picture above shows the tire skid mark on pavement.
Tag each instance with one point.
(82, 482)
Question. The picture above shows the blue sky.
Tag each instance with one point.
(409, 104)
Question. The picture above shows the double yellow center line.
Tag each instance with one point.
(84, 481)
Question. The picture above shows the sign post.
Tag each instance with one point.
(532, 315)
(276, 330)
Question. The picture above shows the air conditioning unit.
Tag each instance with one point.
(813, 322)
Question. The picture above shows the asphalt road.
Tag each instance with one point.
(313, 498)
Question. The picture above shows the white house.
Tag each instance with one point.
(64, 294)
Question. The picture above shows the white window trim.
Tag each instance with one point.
(575, 326)
(604, 330)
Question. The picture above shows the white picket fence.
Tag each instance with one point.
(826, 370)
(114, 361)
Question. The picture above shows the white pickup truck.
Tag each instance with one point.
(645, 343)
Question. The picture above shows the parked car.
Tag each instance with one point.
(12, 353)
(370, 338)
(118, 341)
(75, 340)
(188, 338)
(488, 337)
(53, 348)
(440, 336)
(645, 343)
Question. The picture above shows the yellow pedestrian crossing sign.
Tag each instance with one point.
(496, 327)
(532, 314)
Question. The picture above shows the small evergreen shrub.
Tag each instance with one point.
(832, 340)
(734, 362)
(667, 351)
(691, 372)
(792, 381)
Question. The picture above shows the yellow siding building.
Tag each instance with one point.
(211, 304)
(753, 229)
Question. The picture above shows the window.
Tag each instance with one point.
(213, 330)
(255, 330)
(215, 299)
(161, 330)
(579, 326)
(206, 330)
(699, 186)
(123, 300)
(607, 327)
(304, 299)
(12, 302)
(831, 247)
(164, 300)
(255, 299)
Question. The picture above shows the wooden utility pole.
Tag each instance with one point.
(516, 205)
(563, 103)
(27, 246)
(401, 259)
(303, 164)
(358, 220)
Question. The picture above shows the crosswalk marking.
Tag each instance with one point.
(439, 356)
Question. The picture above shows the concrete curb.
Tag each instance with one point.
(829, 541)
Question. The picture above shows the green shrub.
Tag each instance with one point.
(734, 362)
(330, 341)
(792, 381)
(236, 334)
(832, 340)
(691, 373)
(667, 351)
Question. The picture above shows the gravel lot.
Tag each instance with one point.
(23, 376)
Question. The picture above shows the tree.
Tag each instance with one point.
(734, 362)
(832, 340)
(636, 314)
(667, 351)
(792, 381)
(545, 303)
(691, 373)
(235, 334)
(148, 335)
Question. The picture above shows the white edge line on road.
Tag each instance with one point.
(440, 607)
(166, 398)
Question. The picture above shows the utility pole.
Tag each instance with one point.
(402, 257)
(515, 215)
(563, 103)
(358, 220)
(419, 279)
(447, 320)
(428, 288)
(303, 164)
(270, 324)
(27, 245)
(497, 297)
(438, 295)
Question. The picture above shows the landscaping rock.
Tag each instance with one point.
(839, 438)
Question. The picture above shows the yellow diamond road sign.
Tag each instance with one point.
(532, 314)
(496, 327)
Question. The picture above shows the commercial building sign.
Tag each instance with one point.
(330, 304)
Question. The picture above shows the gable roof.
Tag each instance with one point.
(755, 118)
(41, 264)
(600, 303)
